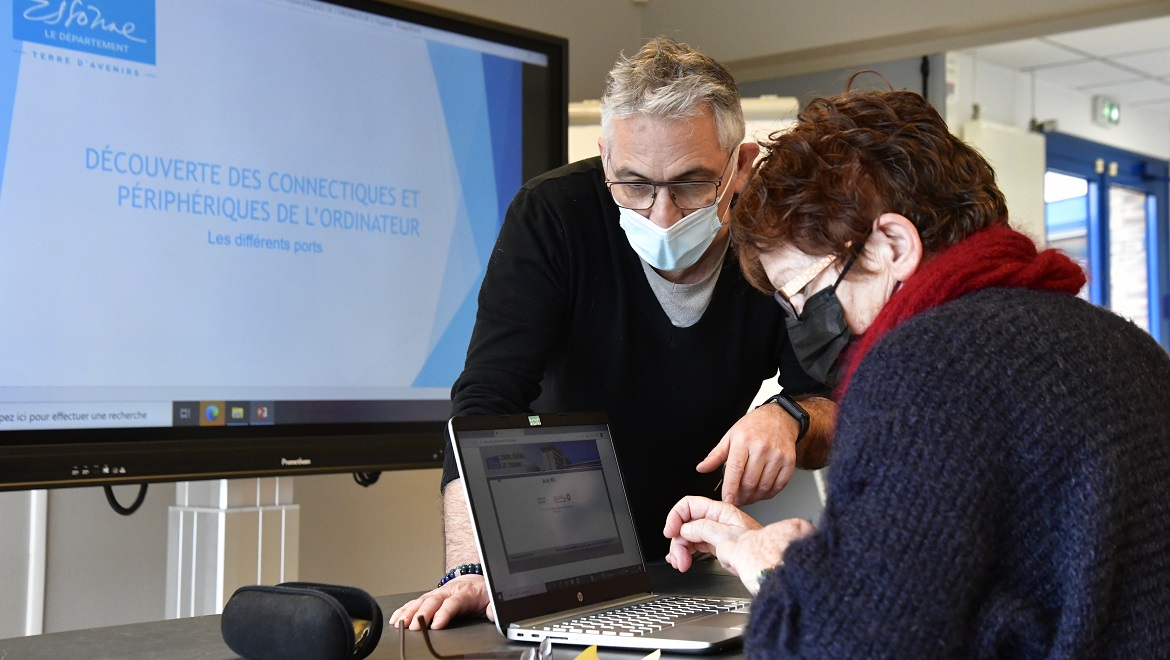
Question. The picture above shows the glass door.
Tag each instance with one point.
(1107, 209)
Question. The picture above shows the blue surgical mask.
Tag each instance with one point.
(676, 247)
(683, 243)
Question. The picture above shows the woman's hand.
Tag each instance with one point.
(698, 524)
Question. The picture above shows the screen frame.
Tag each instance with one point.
(633, 578)
(53, 458)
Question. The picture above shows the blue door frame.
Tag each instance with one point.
(1094, 162)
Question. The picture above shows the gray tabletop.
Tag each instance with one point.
(200, 637)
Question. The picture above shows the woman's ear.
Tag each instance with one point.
(903, 245)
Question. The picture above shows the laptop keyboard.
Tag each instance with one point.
(647, 617)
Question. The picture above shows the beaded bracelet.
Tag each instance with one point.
(761, 576)
(463, 569)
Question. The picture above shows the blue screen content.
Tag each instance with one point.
(218, 212)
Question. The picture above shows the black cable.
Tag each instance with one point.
(366, 479)
(925, 70)
(121, 509)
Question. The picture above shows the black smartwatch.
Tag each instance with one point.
(792, 408)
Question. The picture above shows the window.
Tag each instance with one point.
(1107, 209)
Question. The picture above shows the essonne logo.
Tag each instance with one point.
(124, 29)
(78, 14)
(296, 461)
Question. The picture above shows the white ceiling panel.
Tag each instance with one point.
(1153, 63)
(1129, 92)
(1128, 61)
(1084, 74)
(1120, 39)
(1027, 54)
(1162, 108)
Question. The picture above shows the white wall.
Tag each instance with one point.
(900, 74)
(1006, 97)
(99, 568)
(1018, 158)
(1142, 132)
(387, 538)
(14, 547)
(105, 568)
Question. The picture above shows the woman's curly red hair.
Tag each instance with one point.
(852, 157)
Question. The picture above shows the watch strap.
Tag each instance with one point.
(792, 408)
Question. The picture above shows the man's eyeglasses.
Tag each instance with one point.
(541, 652)
(687, 195)
(784, 294)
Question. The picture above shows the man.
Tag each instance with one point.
(613, 287)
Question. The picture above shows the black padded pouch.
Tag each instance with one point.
(301, 620)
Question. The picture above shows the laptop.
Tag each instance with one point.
(556, 537)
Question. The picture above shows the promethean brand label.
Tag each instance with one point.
(296, 461)
(124, 29)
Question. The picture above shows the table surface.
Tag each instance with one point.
(199, 637)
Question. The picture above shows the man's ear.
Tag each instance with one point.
(601, 146)
(748, 152)
(901, 244)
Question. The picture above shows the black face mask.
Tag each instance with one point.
(819, 336)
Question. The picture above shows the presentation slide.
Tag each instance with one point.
(252, 199)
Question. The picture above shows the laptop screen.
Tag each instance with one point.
(549, 504)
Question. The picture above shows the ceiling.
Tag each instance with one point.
(1127, 61)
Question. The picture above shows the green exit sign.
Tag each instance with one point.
(1106, 110)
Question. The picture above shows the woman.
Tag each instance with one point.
(999, 484)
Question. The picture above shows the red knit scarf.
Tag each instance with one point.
(997, 256)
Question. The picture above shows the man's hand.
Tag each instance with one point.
(465, 595)
(697, 524)
(759, 453)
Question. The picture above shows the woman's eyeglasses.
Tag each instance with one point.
(784, 295)
(797, 284)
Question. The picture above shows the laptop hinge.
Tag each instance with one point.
(569, 614)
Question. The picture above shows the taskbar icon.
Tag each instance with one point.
(223, 413)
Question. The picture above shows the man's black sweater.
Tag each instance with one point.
(568, 322)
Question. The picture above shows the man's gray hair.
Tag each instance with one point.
(671, 80)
